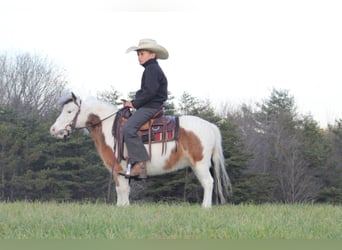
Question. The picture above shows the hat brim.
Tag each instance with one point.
(160, 51)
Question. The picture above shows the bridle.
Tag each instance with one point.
(72, 124)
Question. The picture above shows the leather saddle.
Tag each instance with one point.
(159, 129)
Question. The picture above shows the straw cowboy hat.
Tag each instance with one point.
(151, 45)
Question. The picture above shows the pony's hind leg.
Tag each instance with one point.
(203, 174)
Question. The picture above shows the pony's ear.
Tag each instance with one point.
(73, 96)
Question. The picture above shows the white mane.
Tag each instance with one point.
(67, 96)
(92, 101)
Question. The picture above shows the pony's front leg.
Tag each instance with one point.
(122, 192)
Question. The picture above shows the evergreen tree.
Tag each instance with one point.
(11, 133)
(34, 166)
(332, 173)
(69, 170)
(288, 148)
(110, 96)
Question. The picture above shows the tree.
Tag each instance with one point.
(332, 173)
(241, 142)
(11, 132)
(29, 84)
(46, 169)
(30, 169)
(279, 102)
(283, 147)
(236, 157)
(190, 105)
(110, 96)
(169, 105)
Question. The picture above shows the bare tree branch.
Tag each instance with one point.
(30, 84)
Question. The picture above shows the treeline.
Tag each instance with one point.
(273, 153)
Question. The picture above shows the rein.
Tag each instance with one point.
(94, 125)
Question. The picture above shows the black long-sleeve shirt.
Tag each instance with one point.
(153, 90)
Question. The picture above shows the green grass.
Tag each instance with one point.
(24, 220)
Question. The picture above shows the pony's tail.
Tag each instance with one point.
(222, 184)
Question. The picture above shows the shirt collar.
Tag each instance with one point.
(149, 62)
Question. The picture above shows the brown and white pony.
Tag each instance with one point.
(198, 146)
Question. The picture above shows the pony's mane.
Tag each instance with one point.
(68, 97)
(100, 104)
(94, 100)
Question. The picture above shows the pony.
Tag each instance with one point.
(198, 146)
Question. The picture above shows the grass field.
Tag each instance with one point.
(24, 220)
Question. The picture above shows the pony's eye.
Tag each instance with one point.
(69, 112)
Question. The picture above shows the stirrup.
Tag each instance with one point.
(127, 174)
(128, 171)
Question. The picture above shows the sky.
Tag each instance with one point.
(230, 52)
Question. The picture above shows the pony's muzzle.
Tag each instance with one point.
(60, 134)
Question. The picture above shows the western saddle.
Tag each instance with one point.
(159, 129)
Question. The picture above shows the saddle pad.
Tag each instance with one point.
(164, 128)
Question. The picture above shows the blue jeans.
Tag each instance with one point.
(135, 147)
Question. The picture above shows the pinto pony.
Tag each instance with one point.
(198, 146)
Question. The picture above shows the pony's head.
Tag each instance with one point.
(66, 121)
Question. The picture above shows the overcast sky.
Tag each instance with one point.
(227, 51)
